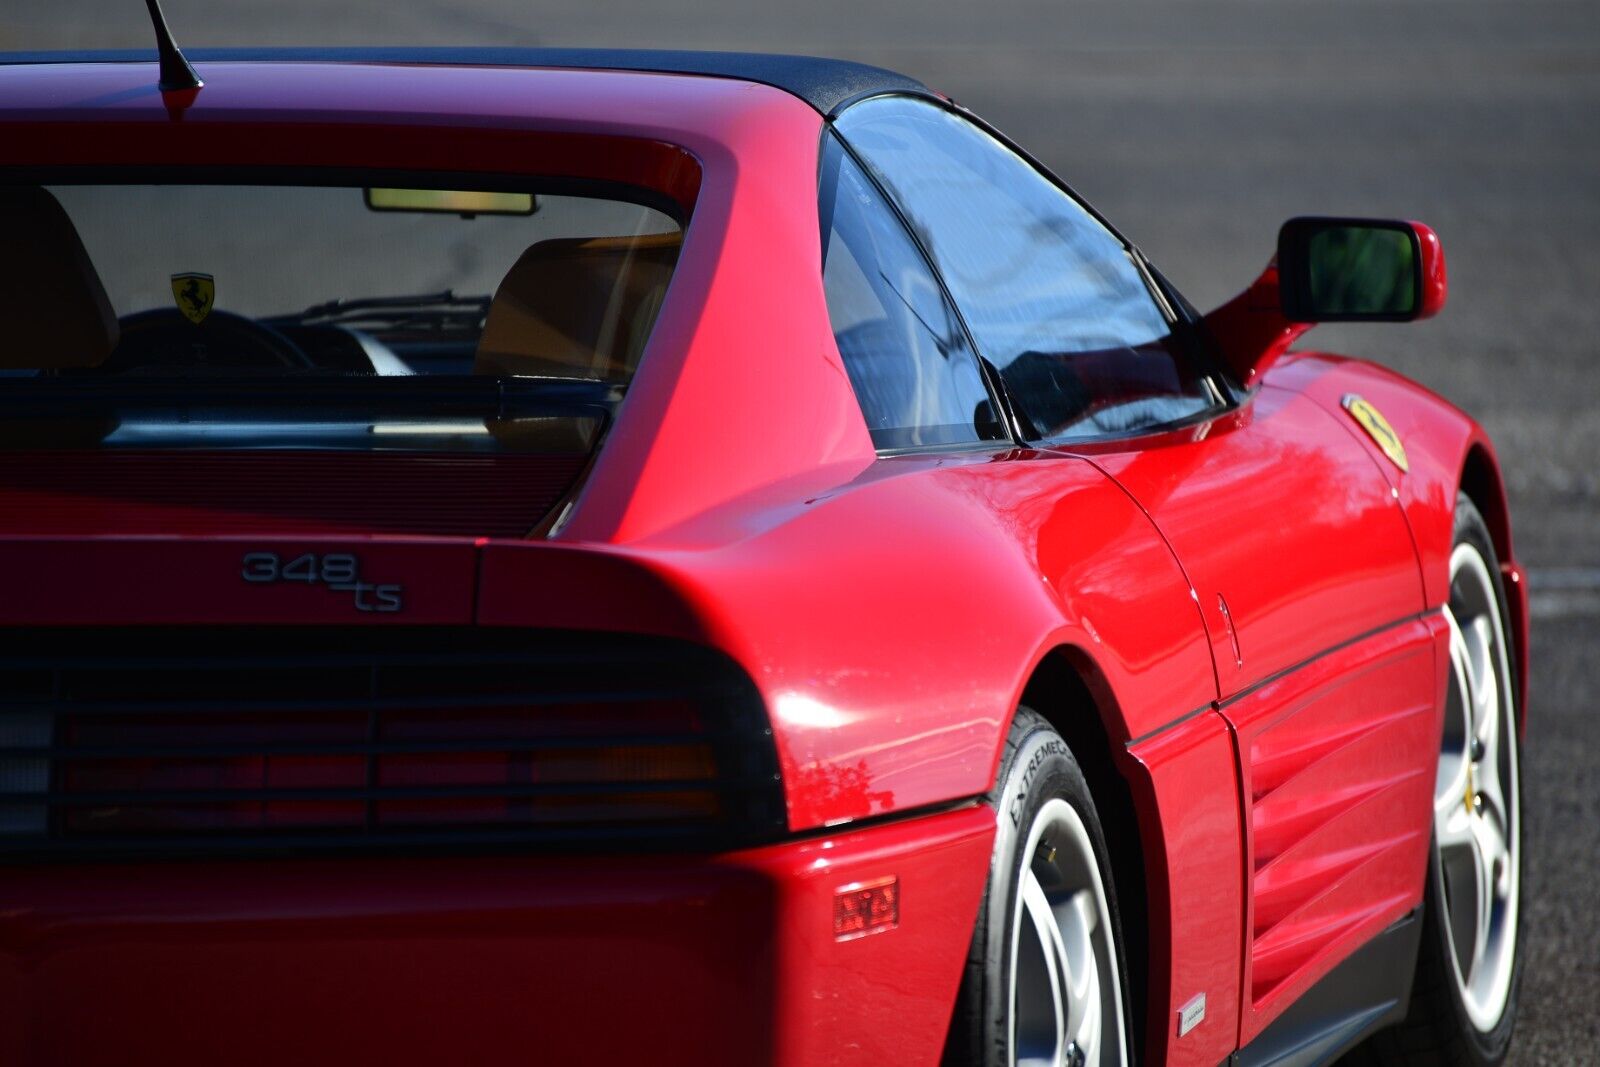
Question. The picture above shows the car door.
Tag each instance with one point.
(1293, 545)
(1303, 565)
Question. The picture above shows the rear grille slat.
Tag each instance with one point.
(596, 696)
(560, 653)
(380, 748)
(213, 796)
(182, 740)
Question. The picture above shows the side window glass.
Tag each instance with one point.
(1053, 299)
(904, 349)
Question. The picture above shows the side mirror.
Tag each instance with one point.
(1359, 270)
(1329, 270)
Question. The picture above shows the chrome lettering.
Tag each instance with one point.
(340, 572)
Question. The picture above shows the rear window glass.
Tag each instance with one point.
(229, 312)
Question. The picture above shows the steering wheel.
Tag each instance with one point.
(163, 337)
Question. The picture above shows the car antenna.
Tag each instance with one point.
(176, 73)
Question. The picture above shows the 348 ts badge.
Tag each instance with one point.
(340, 572)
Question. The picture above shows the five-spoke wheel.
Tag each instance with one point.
(1464, 994)
(1476, 821)
(1044, 982)
(1066, 997)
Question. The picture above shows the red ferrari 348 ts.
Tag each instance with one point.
(565, 557)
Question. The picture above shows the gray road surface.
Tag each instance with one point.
(1198, 126)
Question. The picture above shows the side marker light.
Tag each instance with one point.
(862, 908)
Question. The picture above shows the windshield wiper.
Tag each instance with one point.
(440, 311)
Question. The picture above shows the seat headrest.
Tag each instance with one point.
(54, 313)
(578, 307)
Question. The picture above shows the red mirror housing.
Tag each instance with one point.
(1252, 331)
(1435, 282)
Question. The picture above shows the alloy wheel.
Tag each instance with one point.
(1477, 802)
(1066, 1000)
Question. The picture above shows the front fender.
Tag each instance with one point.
(1447, 451)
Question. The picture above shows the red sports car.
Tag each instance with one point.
(566, 557)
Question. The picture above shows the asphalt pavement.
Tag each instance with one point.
(1197, 127)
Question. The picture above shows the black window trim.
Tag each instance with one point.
(271, 175)
(1173, 307)
(998, 397)
(1222, 378)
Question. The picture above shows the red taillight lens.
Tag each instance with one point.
(555, 720)
(600, 809)
(411, 767)
(534, 781)
(614, 763)
(216, 773)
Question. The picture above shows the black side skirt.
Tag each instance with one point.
(1366, 992)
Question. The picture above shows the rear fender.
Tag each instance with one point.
(892, 622)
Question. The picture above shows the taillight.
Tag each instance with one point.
(521, 746)
(518, 766)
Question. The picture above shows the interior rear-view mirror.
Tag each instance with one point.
(463, 202)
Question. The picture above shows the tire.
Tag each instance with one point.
(1049, 864)
(1464, 1004)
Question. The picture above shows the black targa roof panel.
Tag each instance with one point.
(822, 83)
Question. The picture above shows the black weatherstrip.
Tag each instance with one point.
(1277, 676)
(1356, 640)
(1175, 723)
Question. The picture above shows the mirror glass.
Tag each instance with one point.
(1362, 270)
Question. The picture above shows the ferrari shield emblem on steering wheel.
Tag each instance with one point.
(195, 293)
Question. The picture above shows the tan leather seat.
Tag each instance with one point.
(54, 313)
(578, 307)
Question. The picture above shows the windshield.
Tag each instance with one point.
(235, 315)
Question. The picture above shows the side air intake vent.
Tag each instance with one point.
(181, 740)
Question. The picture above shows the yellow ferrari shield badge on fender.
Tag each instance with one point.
(1377, 428)
(195, 293)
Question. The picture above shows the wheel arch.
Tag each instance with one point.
(1069, 690)
(1482, 482)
